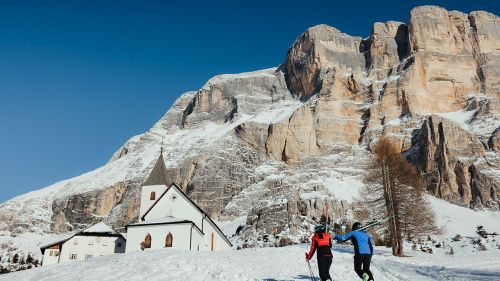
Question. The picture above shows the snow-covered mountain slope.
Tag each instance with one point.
(285, 263)
(266, 150)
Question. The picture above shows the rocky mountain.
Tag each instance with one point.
(267, 149)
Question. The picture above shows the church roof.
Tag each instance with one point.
(99, 228)
(158, 175)
(164, 220)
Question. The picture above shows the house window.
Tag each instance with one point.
(72, 256)
(91, 242)
(168, 240)
(56, 253)
(152, 196)
(51, 253)
(75, 242)
(147, 241)
(88, 256)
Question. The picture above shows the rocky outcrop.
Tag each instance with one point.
(449, 157)
(317, 55)
(494, 141)
(118, 203)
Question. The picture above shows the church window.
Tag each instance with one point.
(168, 240)
(152, 195)
(147, 241)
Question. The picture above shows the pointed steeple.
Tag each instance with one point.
(158, 175)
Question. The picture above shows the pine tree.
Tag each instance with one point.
(29, 259)
(393, 187)
(15, 258)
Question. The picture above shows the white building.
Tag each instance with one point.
(97, 240)
(169, 219)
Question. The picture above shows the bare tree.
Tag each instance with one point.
(393, 187)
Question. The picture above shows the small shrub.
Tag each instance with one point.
(457, 238)
(451, 252)
(285, 241)
(265, 238)
(481, 231)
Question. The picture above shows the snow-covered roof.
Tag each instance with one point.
(165, 220)
(99, 228)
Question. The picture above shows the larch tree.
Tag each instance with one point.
(394, 188)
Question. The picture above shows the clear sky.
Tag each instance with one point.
(78, 78)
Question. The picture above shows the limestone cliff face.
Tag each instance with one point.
(272, 147)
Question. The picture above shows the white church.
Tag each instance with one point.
(169, 219)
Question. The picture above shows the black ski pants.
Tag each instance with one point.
(362, 265)
(324, 263)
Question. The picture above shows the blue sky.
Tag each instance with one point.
(78, 78)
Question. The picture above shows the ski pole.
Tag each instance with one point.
(311, 274)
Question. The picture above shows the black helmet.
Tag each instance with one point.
(356, 226)
(319, 228)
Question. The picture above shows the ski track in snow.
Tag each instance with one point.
(265, 264)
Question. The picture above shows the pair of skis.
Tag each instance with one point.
(377, 222)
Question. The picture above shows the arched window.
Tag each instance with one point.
(147, 241)
(168, 240)
(152, 196)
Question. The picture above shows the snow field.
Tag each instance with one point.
(270, 264)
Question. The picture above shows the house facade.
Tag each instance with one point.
(169, 219)
(97, 240)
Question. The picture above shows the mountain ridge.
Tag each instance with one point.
(267, 146)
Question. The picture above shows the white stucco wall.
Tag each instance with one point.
(181, 234)
(146, 202)
(100, 246)
(174, 204)
(219, 242)
(50, 256)
(178, 208)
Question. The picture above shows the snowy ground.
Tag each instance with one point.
(265, 264)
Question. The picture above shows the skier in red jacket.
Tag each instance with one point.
(322, 242)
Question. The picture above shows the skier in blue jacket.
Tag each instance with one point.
(363, 250)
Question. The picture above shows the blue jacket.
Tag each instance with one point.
(360, 239)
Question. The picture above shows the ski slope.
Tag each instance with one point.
(270, 264)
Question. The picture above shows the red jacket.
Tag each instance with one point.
(322, 244)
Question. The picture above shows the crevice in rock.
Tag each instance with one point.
(402, 40)
(366, 119)
(189, 109)
(234, 109)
